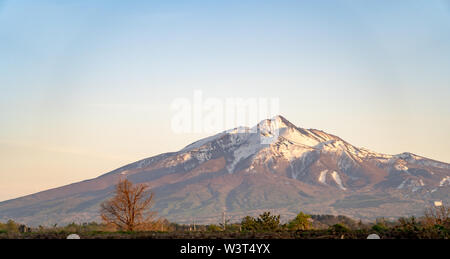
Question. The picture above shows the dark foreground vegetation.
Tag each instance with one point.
(434, 225)
(128, 215)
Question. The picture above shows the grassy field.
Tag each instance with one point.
(435, 224)
(407, 229)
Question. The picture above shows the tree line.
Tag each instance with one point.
(130, 210)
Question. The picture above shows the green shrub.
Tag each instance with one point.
(300, 222)
(380, 227)
(339, 228)
(265, 223)
(249, 224)
(12, 227)
(213, 228)
(408, 224)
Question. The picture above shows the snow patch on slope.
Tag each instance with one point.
(402, 185)
(246, 150)
(413, 184)
(338, 180)
(290, 151)
(444, 181)
(202, 142)
(401, 167)
(302, 138)
(418, 160)
(323, 176)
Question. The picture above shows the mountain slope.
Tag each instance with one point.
(272, 166)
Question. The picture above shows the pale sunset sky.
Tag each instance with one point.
(86, 85)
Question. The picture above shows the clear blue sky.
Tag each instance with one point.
(86, 85)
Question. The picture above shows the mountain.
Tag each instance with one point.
(273, 166)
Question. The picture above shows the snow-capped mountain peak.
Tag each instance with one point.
(237, 169)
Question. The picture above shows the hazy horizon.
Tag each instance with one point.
(87, 85)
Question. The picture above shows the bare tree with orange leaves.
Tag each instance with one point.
(129, 209)
(437, 215)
